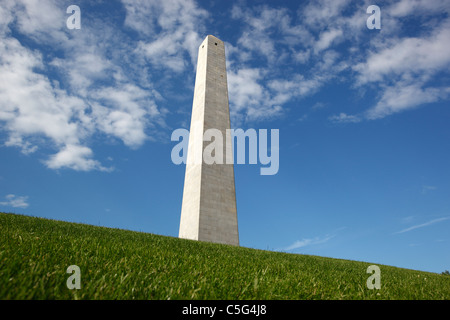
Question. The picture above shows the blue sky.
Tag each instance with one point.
(86, 117)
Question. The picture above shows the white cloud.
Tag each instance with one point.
(104, 85)
(318, 105)
(344, 118)
(398, 65)
(15, 201)
(254, 93)
(164, 53)
(326, 39)
(75, 157)
(83, 69)
(41, 19)
(426, 55)
(127, 115)
(426, 189)
(244, 89)
(302, 56)
(262, 23)
(426, 224)
(308, 242)
(174, 25)
(98, 91)
(249, 99)
(402, 97)
(403, 69)
(403, 8)
(271, 35)
(29, 103)
(318, 14)
(25, 146)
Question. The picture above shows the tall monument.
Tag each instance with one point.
(208, 211)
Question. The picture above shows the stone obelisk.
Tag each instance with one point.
(209, 198)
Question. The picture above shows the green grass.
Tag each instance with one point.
(121, 264)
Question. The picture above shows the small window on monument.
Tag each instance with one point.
(215, 43)
(203, 46)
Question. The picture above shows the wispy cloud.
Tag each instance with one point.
(400, 67)
(422, 225)
(258, 86)
(170, 29)
(15, 201)
(81, 89)
(407, 220)
(308, 242)
(426, 189)
(62, 88)
(326, 39)
(344, 118)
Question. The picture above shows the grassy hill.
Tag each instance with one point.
(120, 264)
